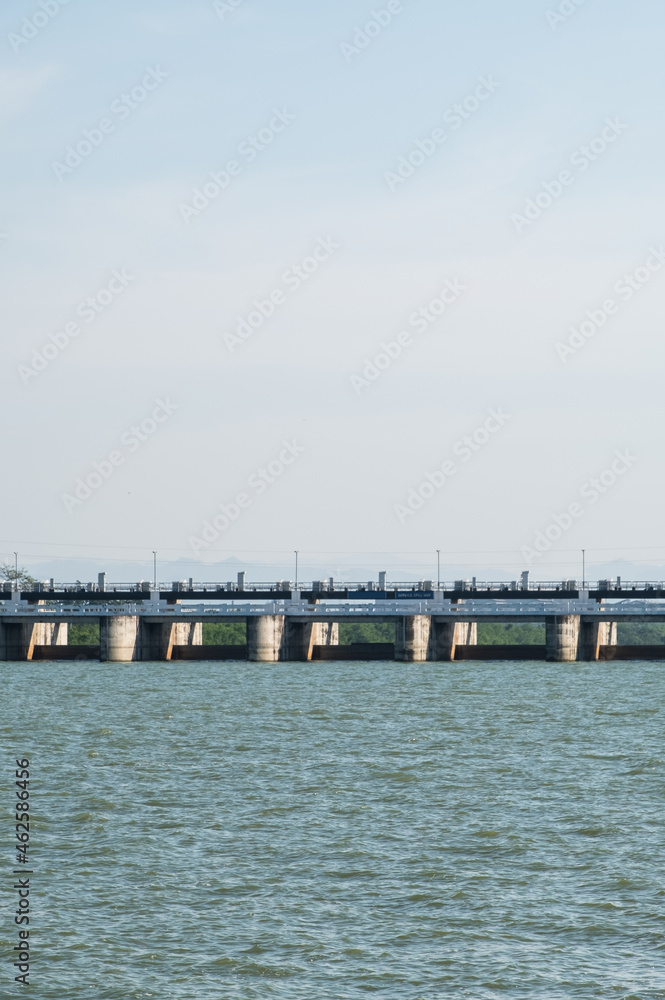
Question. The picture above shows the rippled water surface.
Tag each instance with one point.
(334, 830)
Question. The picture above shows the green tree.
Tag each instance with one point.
(365, 632)
(9, 573)
(632, 634)
(500, 634)
(83, 634)
(223, 634)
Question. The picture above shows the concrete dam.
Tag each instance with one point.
(144, 621)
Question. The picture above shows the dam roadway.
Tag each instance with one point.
(432, 623)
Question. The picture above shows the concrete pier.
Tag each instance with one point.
(445, 637)
(187, 634)
(272, 638)
(59, 634)
(157, 639)
(412, 638)
(264, 638)
(594, 635)
(119, 639)
(562, 638)
(609, 634)
(300, 638)
(18, 639)
(327, 634)
(49, 634)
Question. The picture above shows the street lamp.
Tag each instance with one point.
(296, 552)
(154, 568)
(16, 570)
(583, 569)
(438, 569)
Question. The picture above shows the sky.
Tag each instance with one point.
(362, 281)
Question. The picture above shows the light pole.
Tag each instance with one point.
(16, 571)
(583, 569)
(296, 552)
(154, 568)
(438, 569)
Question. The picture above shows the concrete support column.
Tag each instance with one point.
(299, 639)
(562, 638)
(60, 635)
(608, 634)
(264, 638)
(442, 640)
(6, 640)
(466, 634)
(159, 638)
(412, 638)
(42, 634)
(445, 637)
(120, 639)
(326, 634)
(50, 634)
(595, 635)
(187, 633)
(590, 636)
(18, 639)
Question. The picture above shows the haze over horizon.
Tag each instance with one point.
(424, 312)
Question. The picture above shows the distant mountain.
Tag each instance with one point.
(131, 571)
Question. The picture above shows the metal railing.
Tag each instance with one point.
(337, 610)
(419, 589)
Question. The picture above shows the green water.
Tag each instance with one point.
(340, 830)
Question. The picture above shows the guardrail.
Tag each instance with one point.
(373, 609)
(183, 587)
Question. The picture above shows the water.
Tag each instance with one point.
(338, 830)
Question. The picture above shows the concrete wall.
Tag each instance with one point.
(445, 637)
(18, 639)
(300, 638)
(562, 638)
(157, 639)
(326, 634)
(594, 635)
(119, 639)
(264, 638)
(412, 638)
(273, 638)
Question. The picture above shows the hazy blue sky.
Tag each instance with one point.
(114, 114)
